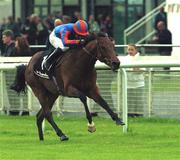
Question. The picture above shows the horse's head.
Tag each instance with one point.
(104, 50)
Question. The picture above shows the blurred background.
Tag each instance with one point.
(112, 16)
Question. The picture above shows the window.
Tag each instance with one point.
(135, 1)
(41, 7)
(71, 2)
(56, 6)
(41, 2)
(103, 2)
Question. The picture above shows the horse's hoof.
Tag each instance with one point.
(91, 127)
(64, 138)
(120, 122)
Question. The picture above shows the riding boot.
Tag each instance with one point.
(51, 60)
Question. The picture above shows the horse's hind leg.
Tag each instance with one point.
(47, 100)
(40, 118)
(50, 119)
(73, 92)
(94, 94)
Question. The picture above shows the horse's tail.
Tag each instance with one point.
(19, 84)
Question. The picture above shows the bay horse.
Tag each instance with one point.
(76, 77)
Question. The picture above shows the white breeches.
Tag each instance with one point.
(56, 42)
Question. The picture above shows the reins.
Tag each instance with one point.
(99, 49)
(90, 53)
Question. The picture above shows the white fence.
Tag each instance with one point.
(159, 97)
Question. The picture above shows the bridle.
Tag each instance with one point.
(90, 53)
(97, 56)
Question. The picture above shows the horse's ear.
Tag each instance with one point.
(112, 40)
(102, 34)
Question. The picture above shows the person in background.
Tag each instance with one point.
(57, 22)
(22, 47)
(66, 19)
(12, 25)
(164, 37)
(50, 22)
(161, 16)
(93, 25)
(25, 27)
(42, 32)
(32, 33)
(76, 16)
(108, 28)
(8, 40)
(135, 84)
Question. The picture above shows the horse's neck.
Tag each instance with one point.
(86, 60)
(80, 60)
(87, 57)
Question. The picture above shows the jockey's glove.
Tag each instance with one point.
(82, 42)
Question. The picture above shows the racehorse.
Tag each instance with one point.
(75, 76)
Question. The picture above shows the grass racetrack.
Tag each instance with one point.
(147, 139)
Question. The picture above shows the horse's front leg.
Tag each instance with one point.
(73, 92)
(94, 94)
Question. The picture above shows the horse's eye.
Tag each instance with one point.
(103, 48)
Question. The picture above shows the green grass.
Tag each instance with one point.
(147, 139)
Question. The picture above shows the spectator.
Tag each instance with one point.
(108, 26)
(100, 21)
(57, 22)
(7, 37)
(19, 23)
(33, 30)
(161, 16)
(12, 25)
(25, 27)
(4, 24)
(22, 47)
(93, 25)
(1, 41)
(66, 19)
(77, 16)
(164, 36)
(50, 22)
(135, 84)
(42, 32)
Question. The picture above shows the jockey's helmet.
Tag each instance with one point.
(81, 28)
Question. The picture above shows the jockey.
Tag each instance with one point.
(62, 37)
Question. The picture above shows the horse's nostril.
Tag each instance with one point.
(115, 65)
